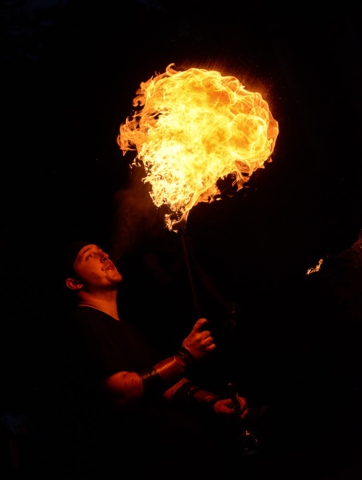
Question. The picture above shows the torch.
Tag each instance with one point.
(191, 128)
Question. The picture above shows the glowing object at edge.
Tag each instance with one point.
(191, 128)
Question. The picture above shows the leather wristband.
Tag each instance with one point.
(161, 376)
(185, 394)
(151, 381)
(186, 356)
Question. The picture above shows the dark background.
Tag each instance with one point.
(69, 74)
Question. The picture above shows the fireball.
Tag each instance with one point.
(191, 128)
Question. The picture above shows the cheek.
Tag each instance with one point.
(89, 275)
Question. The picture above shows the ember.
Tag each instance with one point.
(191, 128)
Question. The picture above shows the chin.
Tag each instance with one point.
(119, 278)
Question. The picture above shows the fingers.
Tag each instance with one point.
(206, 339)
(210, 348)
(244, 408)
(226, 407)
(204, 335)
(208, 343)
(199, 342)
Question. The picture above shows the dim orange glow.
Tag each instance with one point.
(191, 128)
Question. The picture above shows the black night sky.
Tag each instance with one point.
(69, 75)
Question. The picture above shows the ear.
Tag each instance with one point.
(73, 284)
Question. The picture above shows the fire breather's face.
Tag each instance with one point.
(94, 268)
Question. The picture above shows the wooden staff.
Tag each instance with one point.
(196, 305)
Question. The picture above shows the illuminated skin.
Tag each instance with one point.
(95, 267)
(96, 283)
(96, 280)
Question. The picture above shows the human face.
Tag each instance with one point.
(94, 269)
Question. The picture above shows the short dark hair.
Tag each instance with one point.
(70, 255)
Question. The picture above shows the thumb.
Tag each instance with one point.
(199, 324)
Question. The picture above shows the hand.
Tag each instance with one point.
(226, 407)
(199, 342)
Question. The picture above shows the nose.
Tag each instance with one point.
(104, 256)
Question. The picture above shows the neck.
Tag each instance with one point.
(105, 303)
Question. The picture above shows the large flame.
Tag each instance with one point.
(191, 128)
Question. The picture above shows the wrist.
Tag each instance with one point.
(205, 398)
(164, 374)
(186, 357)
(211, 403)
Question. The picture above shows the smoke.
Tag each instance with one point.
(137, 221)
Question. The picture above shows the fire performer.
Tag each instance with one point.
(121, 389)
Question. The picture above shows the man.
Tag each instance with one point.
(120, 380)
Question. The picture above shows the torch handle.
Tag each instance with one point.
(235, 399)
(196, 305)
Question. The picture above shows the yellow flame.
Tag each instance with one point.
(316, 268)
(191, 128)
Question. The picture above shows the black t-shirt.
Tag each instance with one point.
(100, 346)
(150, 439)
(103, 345)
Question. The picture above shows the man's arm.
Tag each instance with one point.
(125, 388)
(186, 392)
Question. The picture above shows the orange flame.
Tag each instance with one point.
(190, 129)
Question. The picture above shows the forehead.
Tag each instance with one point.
(86, 249)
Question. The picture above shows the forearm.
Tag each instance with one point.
(187, 394)
(125, 388)
(190, 396)
(205, 397)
